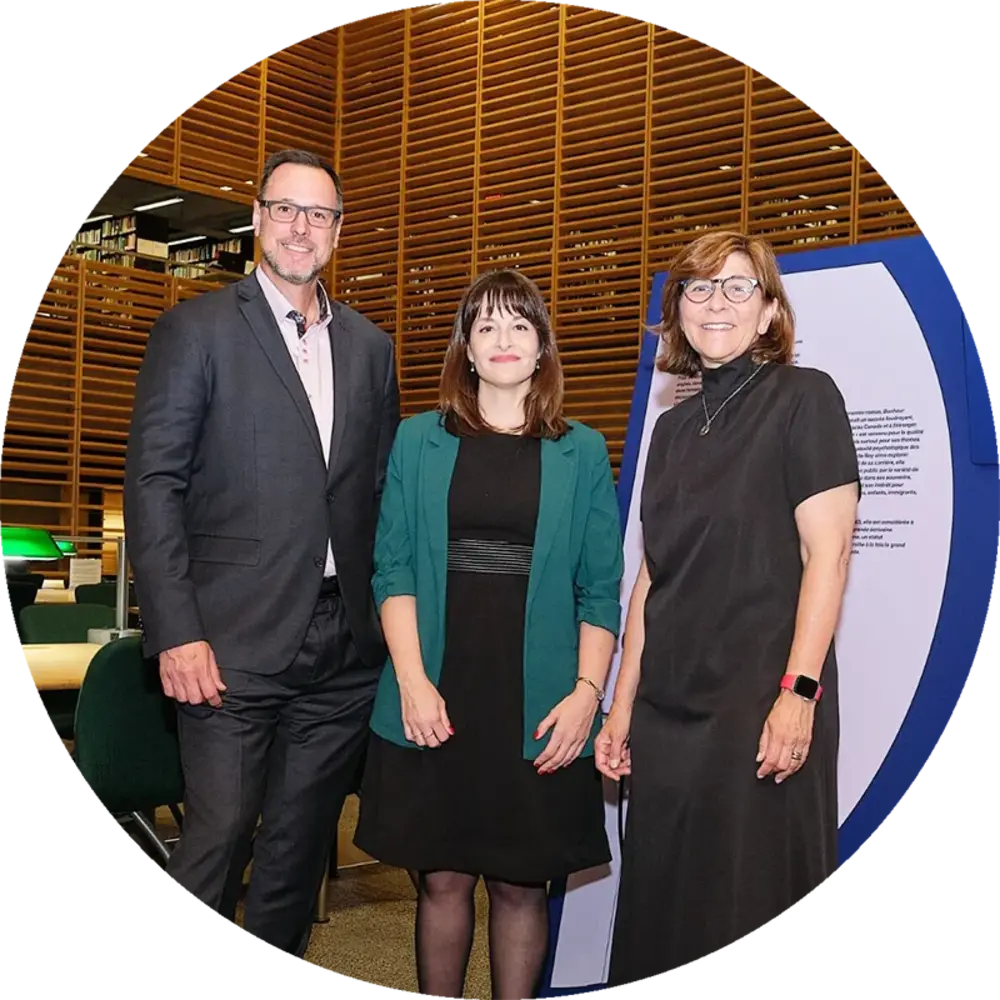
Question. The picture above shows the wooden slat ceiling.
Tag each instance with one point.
(579, 146)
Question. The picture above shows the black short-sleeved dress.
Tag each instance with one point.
(711, 851)
(475, 804)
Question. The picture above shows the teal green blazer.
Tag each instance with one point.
(576, 565)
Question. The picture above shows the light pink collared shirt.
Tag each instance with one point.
(313, 360)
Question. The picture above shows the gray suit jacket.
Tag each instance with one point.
(228, 500)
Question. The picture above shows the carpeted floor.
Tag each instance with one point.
(369, 902)
(368, 933)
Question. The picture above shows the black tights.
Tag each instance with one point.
(446, 918)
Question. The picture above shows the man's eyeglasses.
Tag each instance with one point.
(288, 211)
(735, 288)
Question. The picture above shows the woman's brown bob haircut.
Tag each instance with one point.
(458, 400)
(703, 258)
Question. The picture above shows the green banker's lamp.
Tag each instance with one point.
(22, 545)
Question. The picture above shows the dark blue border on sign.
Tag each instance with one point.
(975, 519)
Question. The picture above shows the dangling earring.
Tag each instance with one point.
(538, 363)
(472, 367)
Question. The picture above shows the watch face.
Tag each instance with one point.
(805, 686)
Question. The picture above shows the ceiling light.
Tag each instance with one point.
(187, 239)
(97, 218)
(142, 155)
(157, 204)
(225, 187)
(241, 229)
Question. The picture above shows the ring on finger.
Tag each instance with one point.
(797, 755)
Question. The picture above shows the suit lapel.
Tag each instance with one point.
(558, 484)
(258, 315)
(435, 482)
(342, 352)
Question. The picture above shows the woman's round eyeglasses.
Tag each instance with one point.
(288, 211)
(735, 288)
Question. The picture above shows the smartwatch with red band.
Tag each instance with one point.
(805, 687)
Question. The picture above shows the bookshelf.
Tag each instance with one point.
(133, 240)
(143, 242)
(233, 256)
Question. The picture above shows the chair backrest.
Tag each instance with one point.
(98, 593)
(22, 591)
(63, 622)
(126, 731)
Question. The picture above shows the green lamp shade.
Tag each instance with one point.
(65, 547)
(28, 543)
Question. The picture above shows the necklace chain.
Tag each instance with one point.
(707, 426)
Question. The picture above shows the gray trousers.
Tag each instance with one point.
(283, 749)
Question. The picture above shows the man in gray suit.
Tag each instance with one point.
(264, 414)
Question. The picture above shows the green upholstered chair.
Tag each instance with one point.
(98, 593)
(126, 738)
(62, 623)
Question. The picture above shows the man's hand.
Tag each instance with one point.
(190, 674)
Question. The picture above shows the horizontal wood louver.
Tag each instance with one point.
(190, 288)
(220, 139)
(600, 220)
(880, 214)
(300, 95)
(120, 306)
(695, 145)
(41, 434)
(800, 172)
(370, 141)
(440, 155)
(517, 158)
(582, 147)
(157, 162)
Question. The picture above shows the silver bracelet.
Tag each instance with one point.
(597, 691)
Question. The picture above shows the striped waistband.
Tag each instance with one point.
(478, 555)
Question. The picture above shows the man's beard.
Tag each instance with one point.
(292, 277)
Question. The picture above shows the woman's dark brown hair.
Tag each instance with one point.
(703, 258)
(458, 393)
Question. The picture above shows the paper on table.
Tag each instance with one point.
(84, 571)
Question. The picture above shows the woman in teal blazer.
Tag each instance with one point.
(498, 562)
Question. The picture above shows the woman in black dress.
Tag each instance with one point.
(498, 563)
(725, 706)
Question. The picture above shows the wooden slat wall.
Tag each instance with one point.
(120, 306)
(221, 138)
(600, 217)
(41, 437)
(300, 96)
(372, 98)
(440, 161)
(580, 146)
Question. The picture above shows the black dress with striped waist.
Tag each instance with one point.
(475, 804)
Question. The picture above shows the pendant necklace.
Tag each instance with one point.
(707, 426)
